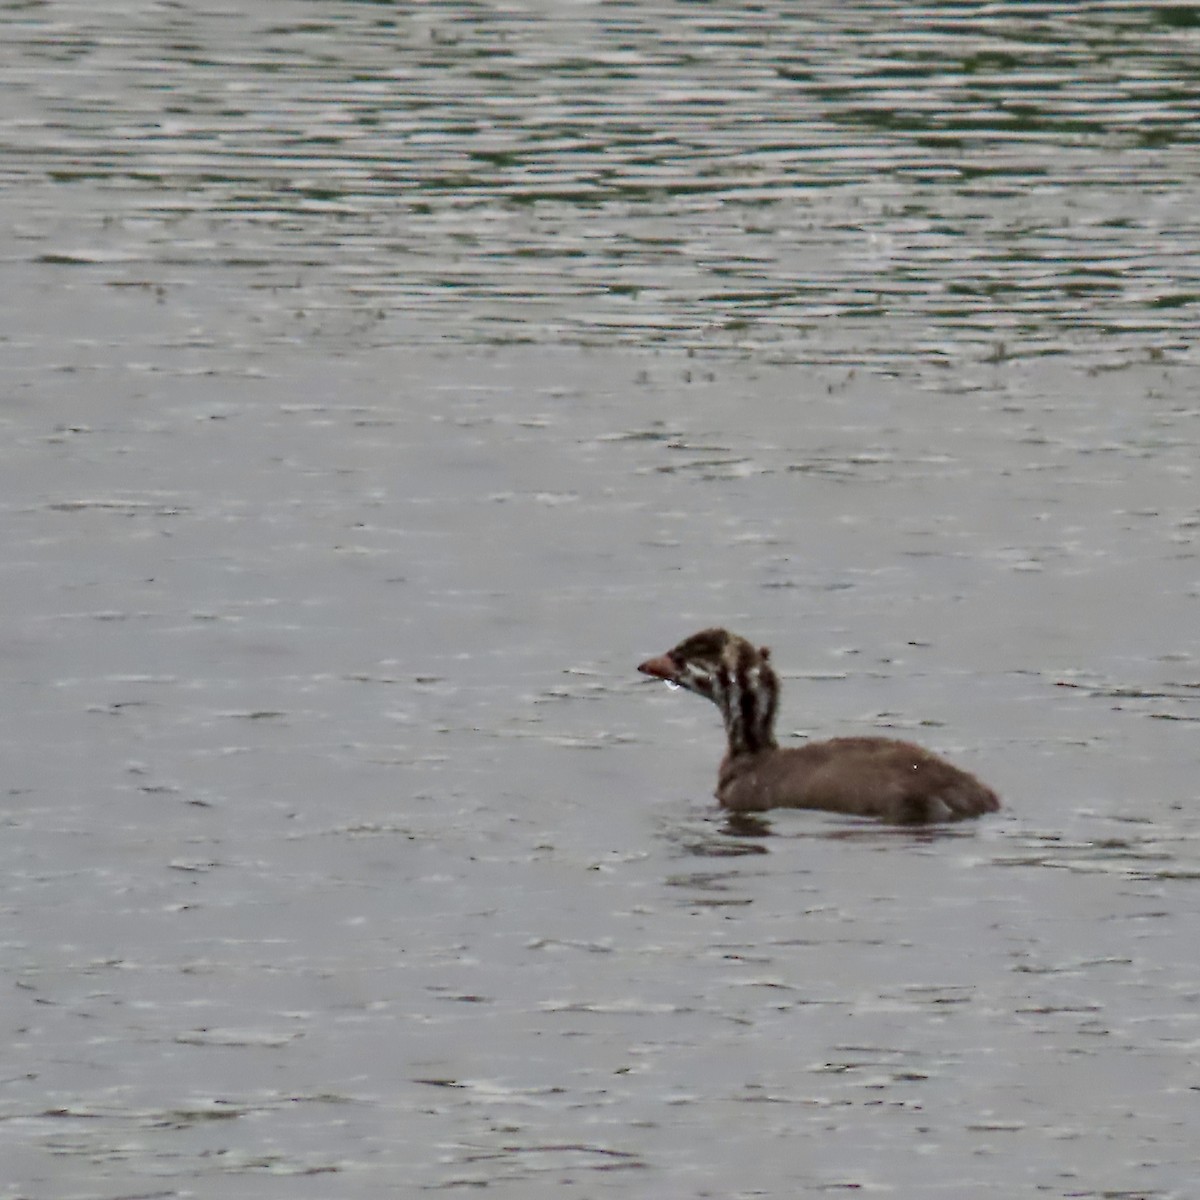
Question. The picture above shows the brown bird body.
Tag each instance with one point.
(865, 776)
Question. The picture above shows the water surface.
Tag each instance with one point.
(381, 384)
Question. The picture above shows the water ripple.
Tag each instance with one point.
(821, 184)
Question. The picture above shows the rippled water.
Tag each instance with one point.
(868, 183)
(381, 383)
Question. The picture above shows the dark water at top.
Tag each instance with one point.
(379, 383)
(864, 183)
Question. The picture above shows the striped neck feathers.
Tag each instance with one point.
(738, 679)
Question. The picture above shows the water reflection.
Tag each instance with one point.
(309, 819)
(1129, 847)
(820, 183)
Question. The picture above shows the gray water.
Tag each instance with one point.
(381, 383)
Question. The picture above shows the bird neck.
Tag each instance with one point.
(747, 697)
